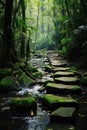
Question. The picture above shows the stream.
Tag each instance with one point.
(42, 120)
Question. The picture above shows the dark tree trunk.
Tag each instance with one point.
(23, 29)
(6, 45)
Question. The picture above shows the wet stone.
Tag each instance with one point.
(51, 102)
(65, 114)
(67, 80)
(61, 69)
(62, 88)
(59, 64)
(62, 73)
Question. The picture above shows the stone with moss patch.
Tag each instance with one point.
(5, 72)
(67, 80)
(55, 69)
(24, 105)
(26, 79)
(65, 114)
(51, 102)
(63, 73)
(37, 74)
(7, 84)
(48, 68)
(62, 88)
(83, 80)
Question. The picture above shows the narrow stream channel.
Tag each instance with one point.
(42, 120)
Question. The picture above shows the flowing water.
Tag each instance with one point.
(42, 120)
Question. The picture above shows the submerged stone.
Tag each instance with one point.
(65, 114)
(62, 88)
(52, 102)
(67, 80)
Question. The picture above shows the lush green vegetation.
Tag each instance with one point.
(30, 25)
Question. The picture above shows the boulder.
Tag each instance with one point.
(24, 105)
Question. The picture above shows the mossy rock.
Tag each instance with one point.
(55, 88)
(24, 105)
(64, 114)
(37, 75)
(48, 68)
(52, 102)
(67, 80)
(63, 73)
(83, 80)
(61, 69)
(7, 84)
(5, 72)
(59, 64)
(26, 79)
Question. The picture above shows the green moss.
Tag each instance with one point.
(37, 74)
(56, 99)
(25, 79)
(7, 81)
(24, 104)
(84, 80)
(48, 68)
(5, 72)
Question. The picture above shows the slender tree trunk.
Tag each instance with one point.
(6, 46)
(23, 29)
(37, 23)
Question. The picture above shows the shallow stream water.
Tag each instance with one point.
(42, 120)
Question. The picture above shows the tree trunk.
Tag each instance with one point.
(6, 45)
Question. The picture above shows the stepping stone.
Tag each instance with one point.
(55, 88)
(61, 69)
(63, 73)
(58, 63)
(67, 80)
(65, 114)
(51, 102)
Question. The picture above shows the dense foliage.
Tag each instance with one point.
(27, 25)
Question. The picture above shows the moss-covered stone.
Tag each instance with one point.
(62, 88)
(26, 79)
(5, 72)
(24, 105)
(48, 68)
(61, 69)
(63, 73)
(37, 74)
(83, 80)
(7, 84)
(52, 102)
(65, 114)
(67, 80)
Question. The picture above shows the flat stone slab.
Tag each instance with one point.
(63, 73)
(67, 80)
(62, 88)
(61, 69)
(51, 102)
(59, 64)
(63, 114)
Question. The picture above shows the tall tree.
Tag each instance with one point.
(6, 45)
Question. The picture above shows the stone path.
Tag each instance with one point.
(65, 83)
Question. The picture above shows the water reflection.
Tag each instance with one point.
(40, 121)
